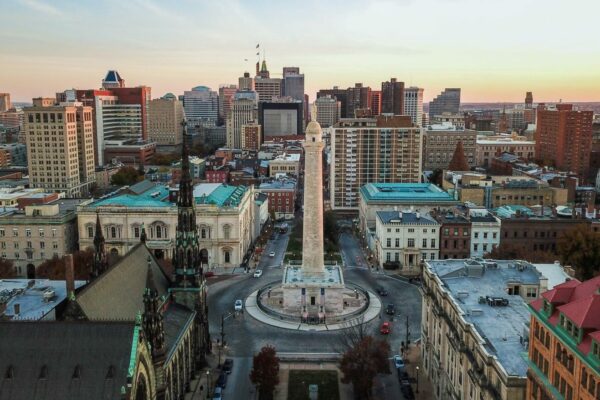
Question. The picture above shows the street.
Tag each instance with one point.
(244, 336)
(352, 254)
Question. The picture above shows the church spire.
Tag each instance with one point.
(152, 319)
(100, 261)
(186, 195)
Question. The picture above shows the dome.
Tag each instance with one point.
(313, 132)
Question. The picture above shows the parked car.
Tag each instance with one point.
(238, 305)
(228, 365)
(272, 254)
(209, 274)
(390, 309)
(398, 361)
(258, 273)
(222, 381)
(217, 395)
(381, 291)
(386, 328)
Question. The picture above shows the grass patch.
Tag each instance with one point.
(300, 379)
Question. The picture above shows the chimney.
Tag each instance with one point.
(418, 214)
(69, 274)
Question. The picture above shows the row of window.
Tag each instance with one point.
(409, 243)
(28, 232)
(28, 255)
(29, 245)
(154, 232)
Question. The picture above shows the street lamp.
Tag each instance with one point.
(417, 379)
(208, 385)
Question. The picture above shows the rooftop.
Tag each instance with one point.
(501, 327)
(65, 206)
(406, 193)
(35, 298)
(400, 217)
(219, 194)
(332, 275)
(279, 184)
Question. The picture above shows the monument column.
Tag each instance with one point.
(312, 240)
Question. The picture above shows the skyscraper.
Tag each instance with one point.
(446, 102)
(327, 111)
(166, 115)
(392, 97)
(201, 106)
(226, 93)
(375, 103)
(293, 83)
(267, 88)
(5, 104)
(529, 100)
(341, 95)
(246, 82)
(243, 110)
(563, 137)
(358, 97)
(281, 118)
(66, 162)
(413, 104)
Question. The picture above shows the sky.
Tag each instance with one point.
(493, 50)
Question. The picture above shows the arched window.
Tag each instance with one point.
(90, 230)
(113, 232)
(203, 233)
(158, 231)
(226, 231)
(227, 256)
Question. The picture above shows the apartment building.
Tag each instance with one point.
(288, 164)
(166, 116)
(489, 147)
(485, 231)
(439, 144)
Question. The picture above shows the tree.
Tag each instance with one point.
(265, 372)
(580, 248)
(363, 362)
(7, 269)
(54, 268)
(330, 227)
(459, 161)
(125, 176)
(513, 252)
(436, 177)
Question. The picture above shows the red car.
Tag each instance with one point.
(386, 328)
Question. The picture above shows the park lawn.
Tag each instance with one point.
(300, 379)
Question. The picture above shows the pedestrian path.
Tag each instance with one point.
(251, 307)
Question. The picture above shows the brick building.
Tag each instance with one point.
(282, 197)
(455, 235)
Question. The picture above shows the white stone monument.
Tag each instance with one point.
(313, 290)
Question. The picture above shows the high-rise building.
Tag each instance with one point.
(359, 97)
(439, 144)
(327, 110)
(446, 102)
(293, 83)
(201, 106)
(5, 104)
(529, 100)
(392, 97)
(166, 115)
(341, 95)
(382, 149)
(60, 147)
(267, 88)
(375, 103)
(243, 110)
(251, 136)
(226, 93)
(281, 118)
(563, 137)
(113, 80)
(246, 82)
(413, 104)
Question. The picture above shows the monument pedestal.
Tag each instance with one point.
(309, 293)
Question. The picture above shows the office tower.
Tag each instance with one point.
(201, 106)
(243, 110)
(413, 104)
(251, 136)
(246, 82)
(5, 104)
(293, 83)
(341, 95)
(166, 115)
(358, 98)
(226, 93)
(281, 118)
(446, 102)
(267, 88)
(382, 149)
(563, 138)
(60, 147)
(529, 100)
(392, 97)
(113, 80)
(327, 110)
(439, 145)
(375, 103)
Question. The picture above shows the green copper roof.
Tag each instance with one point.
(223, 195)
(129, 200)
(405, 192)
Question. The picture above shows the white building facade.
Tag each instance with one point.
(413, 104)
(485, 231)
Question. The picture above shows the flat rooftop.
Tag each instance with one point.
(29, 295)
(501, 327)
(407, 193)
(295, 275)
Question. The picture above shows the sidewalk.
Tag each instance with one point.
(413, 359)
(199, 381)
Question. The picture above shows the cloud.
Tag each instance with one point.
(158, 10)
(41, 7)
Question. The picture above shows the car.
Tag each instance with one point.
(390, 309)
(272, 254)
(238, 305)
(217, 394)
(398, 361)
(209, 274)
(258, 273)
(386, 328)
(228, 365)
(222, 381)
(381, 291)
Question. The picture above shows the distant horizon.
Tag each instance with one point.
(493, 53)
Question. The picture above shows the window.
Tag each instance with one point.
(531, 292)
(411, 242)
(411, 230)
(15, 232)
(475, 247)
(455, 231)
(203, 233)
(476, 235)
(41, 231)
(227, 256)
(424, 243)
(113, 232)
(485, 247)
(432, 242)
(16, 245)
(432, 256)
(159, 232)
(136, 231)
(42, 245)
(53, 232)
(29, 245)
(388, 242)
(28, 232)
(226, 231)
(90, 231)
(2, 232)
(495, 235)
(388, 256)
(397, 242)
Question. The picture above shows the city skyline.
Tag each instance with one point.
(173, 48)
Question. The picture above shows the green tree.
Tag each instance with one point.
(265, 372)
(362, 362)
(7, 269)
(580, 248)
(125, 176)
(330, 227)
(512, 252)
